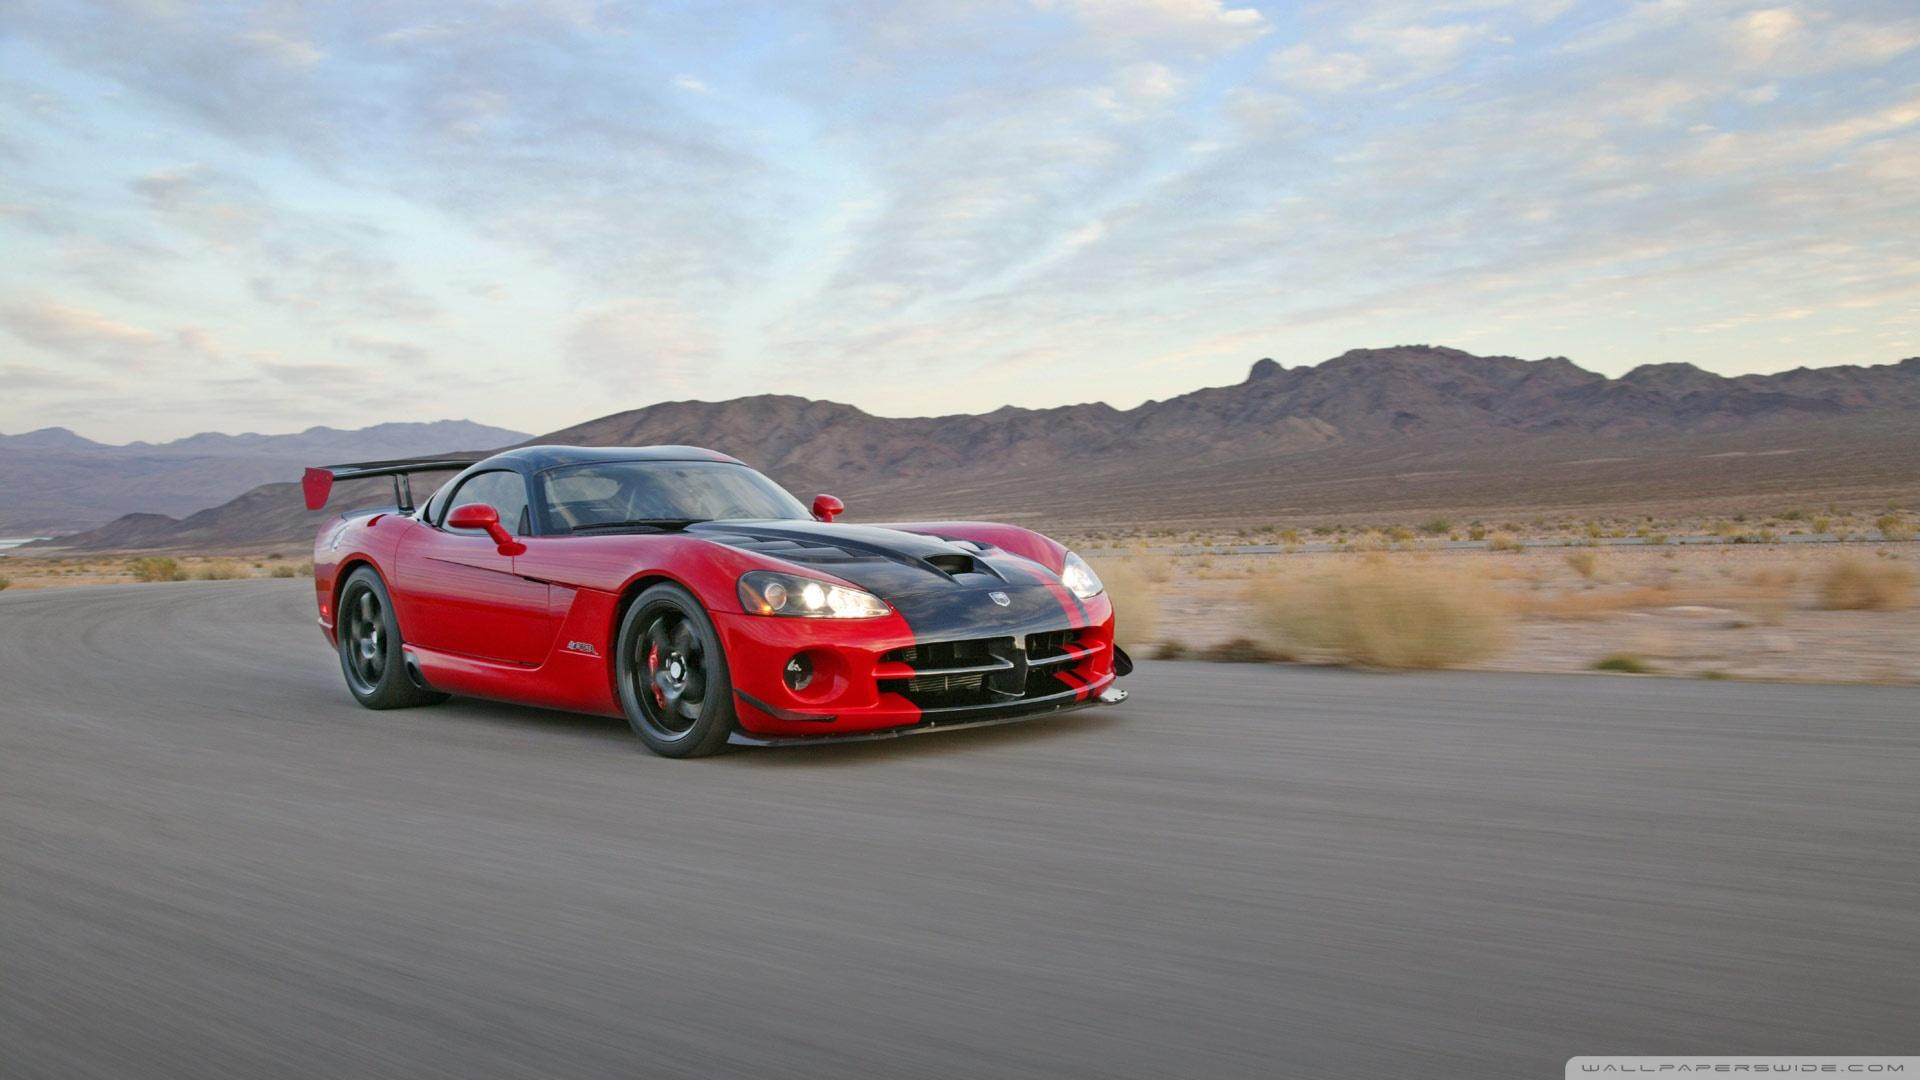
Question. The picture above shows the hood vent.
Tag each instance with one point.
(952, 565)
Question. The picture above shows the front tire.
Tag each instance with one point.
(674, 684)
(370, 647)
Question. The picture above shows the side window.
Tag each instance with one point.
(506, 492)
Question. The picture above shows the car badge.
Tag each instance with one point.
(1000, 598)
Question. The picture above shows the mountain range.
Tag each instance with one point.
(1382, 432)
(53, 480)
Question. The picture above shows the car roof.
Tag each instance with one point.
(538, 458)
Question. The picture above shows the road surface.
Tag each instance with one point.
(213, 864)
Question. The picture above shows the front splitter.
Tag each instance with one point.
(1110, 696)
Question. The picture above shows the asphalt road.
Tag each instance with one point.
(213, 864)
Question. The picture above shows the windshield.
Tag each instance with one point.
(611, 492)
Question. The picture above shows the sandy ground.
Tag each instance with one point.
(1733, 610)
(24, 572)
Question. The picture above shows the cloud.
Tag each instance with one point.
(392, 351)
(1304, 68)
(220, 208)
(280, 49)
(650, 340)
(1204, 27)
(79, 333)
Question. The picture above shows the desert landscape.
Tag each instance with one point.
(1658, 525)
(1541, 517)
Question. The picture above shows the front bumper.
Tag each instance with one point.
(862, 687)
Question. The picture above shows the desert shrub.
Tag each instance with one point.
(1155, 569)
(1894, 527)
(1289, 536)
(220, 570)
(1626, 663)
(1136, 606)
(1595, 530)
(1584, 563)
(4, 582)
(1504, 542)
(1821, 523)
(284, 570)
(1855, 584)
(1384, 616)
(156, 568)
(1656, 538)
(1437, 527)
(1172, 649)
(1476, 532)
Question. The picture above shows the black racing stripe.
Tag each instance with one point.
(1064, 596)
(965, 614)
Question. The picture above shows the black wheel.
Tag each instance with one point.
(673, 676)
(370, 653)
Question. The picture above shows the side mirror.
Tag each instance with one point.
(826, 507)
(486, 518)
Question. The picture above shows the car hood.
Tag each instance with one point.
(940, 586)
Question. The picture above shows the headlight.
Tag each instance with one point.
(1078, 577)
(765, 592)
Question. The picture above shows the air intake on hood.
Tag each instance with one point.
(952, 565)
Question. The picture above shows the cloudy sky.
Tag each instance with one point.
(218, 217)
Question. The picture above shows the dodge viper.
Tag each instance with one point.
(681, 589)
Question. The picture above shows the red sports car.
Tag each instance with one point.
(681, 589)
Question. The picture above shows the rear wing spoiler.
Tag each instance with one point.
(317, 484)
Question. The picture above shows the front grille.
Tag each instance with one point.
(946, 685)
(945, 654)
(983, 671)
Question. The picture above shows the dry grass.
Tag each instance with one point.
(1894, 527)
(1857, 584)
(1132, 587)
(156, 568)
(1592, 603)
(1505, 542)
(1584, 563)
(1383, 615)
(4, 582)
(221, 570)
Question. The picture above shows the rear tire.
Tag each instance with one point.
(674, 684)
(371, 656)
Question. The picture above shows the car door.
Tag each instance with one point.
(460, 594)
